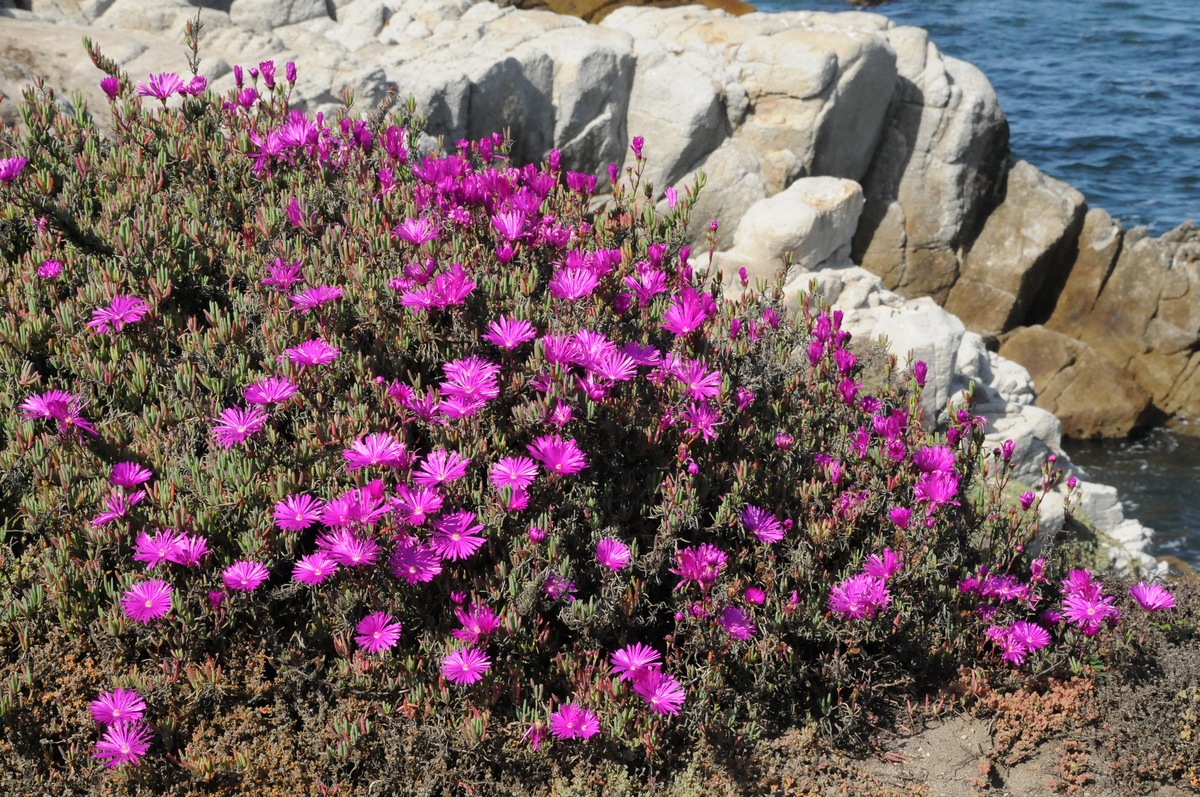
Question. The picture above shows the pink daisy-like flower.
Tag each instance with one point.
(755, 595)
(190, 551)
(477, 623)
(272, 390)
(415, 562)
(128, 475)
(349, 549)
(1152, 597)
(376, 449)
(119, 705)
(377, 632)
(700, 563)
(10, 168)
(465, 665)
(234, 425)
(1088, 612)
(698, 382)
(688, 311)
(511, 225)
(123, 743)
(509, 333)
(118, 506)
(574, 722)
(535, 735)
(736, 622)
(49, 269)
(297, 512)
(762, 524)
(156, 549)
(632, 660)
(160, 86)
(282, 276)
(472, 379)
(1031, 635)
(311, 353)
(314, 568)
(245, 575)
(662, 692)
(120, 311)
(414, 505)
(560, 457)
(110, 86)
(612, 554)
(516, 472)
(930, 459)
(884, 565)
(859, 597)
(147, 600)
(314, 297)
(441, 467)
(937, 488)
(416, 231)
(61, 406)
(572, 284)
(456, 535)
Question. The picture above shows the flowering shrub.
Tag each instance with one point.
(423, 426)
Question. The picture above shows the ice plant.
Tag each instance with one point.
(663, 693)
(123, 743)
(465, 666)
(762, 524)
(272, 390)
(376, 449)
(377, 632)
(160, 86)
(314, 568)
(128, 475)
(10, 168)
(244, 575)
(297, 512)
(612, 554)
(235, 425)
(859, 597)
(311, 353)
(1152, 597)
(560, 457)
(509, 333)
(573, 722)
(147, 600)
(456, 535)
(633, 660)
(49, 269)
(119, 705)
(158, 548)
(120, 311)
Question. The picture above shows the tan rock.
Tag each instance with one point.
(1025, 246)
(1099, 244)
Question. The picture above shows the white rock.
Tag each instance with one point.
(264, 15)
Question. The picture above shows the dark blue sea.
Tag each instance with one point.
(1104, 94)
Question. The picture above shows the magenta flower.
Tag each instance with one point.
(415, 231)
(473, 379)
(415, 562)
(414, 506)
(934, 458)
(573, 722)
(477, 623)
(282, 276)
(936, 488)
(314, 568)
(560, 457)
(573, 283)
(762, 524)
(310, 353)
(272, 390)
(1152, 597)
(688, 312)
(244, 575)
(535, 735)
(736, 622)
(1031, 636)
(313, 298)
(123, 743)
(123, 310)
(157, 549)
(119, 705)
(110, 86)
(118, 506)
(755, 595)
(376, 449)
(366, 506)
(49, 269)
(633, 660)
(160, 86)
(465, 665)
(234, 425)
(349, 549)
(297, 512)
(664, 694)
(701, 564)
(147, 600)
(377, 632)
(509, 333)
(515, 472)
(190, 550)
(128, 475)
(702, 419)
(456, 536)
(511, 225)
(698, 382)
(195, 86)
(62, 407)
(10, 168)
(612, 554)
(859, 597)
(883, 565)
(441, 467)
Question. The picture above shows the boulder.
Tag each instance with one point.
(1097, 249)
(596, 10)
(1090, 395)
(936, 172)
(263, 15)
(1018, 258)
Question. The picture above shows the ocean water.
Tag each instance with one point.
(1104, 94)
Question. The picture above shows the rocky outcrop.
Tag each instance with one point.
(596, 10)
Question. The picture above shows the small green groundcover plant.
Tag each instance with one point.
(293, 394)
